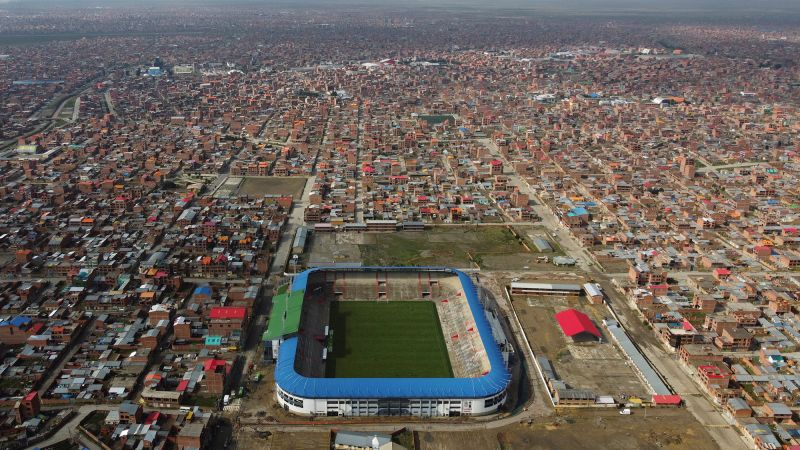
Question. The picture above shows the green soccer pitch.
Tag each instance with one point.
(378, 339)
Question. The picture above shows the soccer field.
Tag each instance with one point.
(387, 340)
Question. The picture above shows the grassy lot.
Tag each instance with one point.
(437, 119)
(273, 185)
(203, 401)
(387, 340)
(69, 106)
(446, 246)
(95, 421)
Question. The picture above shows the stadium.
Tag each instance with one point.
(386, 341)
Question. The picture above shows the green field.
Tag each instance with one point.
(491, 247)
(437, 119)
(387, 340)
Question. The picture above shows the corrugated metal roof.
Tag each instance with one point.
(542, 245)
(546, 286)
(592, 290)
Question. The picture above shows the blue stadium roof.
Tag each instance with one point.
(494, 382)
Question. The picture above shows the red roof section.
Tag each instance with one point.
(667, 399)
(227, 312)
(182, 385)
(213, 364)
(31, 395)
(574, 322)
(711, 372)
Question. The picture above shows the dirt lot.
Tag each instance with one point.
(598, 366)
(574, 429)
(261, 401)
(333, 247)
(285, 440)
(273, 185)
(484, 440)
(604, 429)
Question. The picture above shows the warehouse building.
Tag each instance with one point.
(593, 293)
(560, 290)
(300, 238)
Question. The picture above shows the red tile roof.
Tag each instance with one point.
(152, 418)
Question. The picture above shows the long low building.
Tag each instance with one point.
(521, 288)
(593, 292)
(643, 368)
(162, 399)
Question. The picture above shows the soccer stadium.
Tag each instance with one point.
(386, 341)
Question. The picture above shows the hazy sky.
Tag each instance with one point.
(723, 7)
(567, 4)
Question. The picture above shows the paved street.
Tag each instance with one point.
(67, 431)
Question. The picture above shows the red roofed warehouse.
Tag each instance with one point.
(576, 324)
(667, 400)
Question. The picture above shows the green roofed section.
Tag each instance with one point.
(285, 315)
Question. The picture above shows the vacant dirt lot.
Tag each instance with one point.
(598, 366)
(483, 440)
(286, 441)
(333, 247)
(273, 185)
(584, 429)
